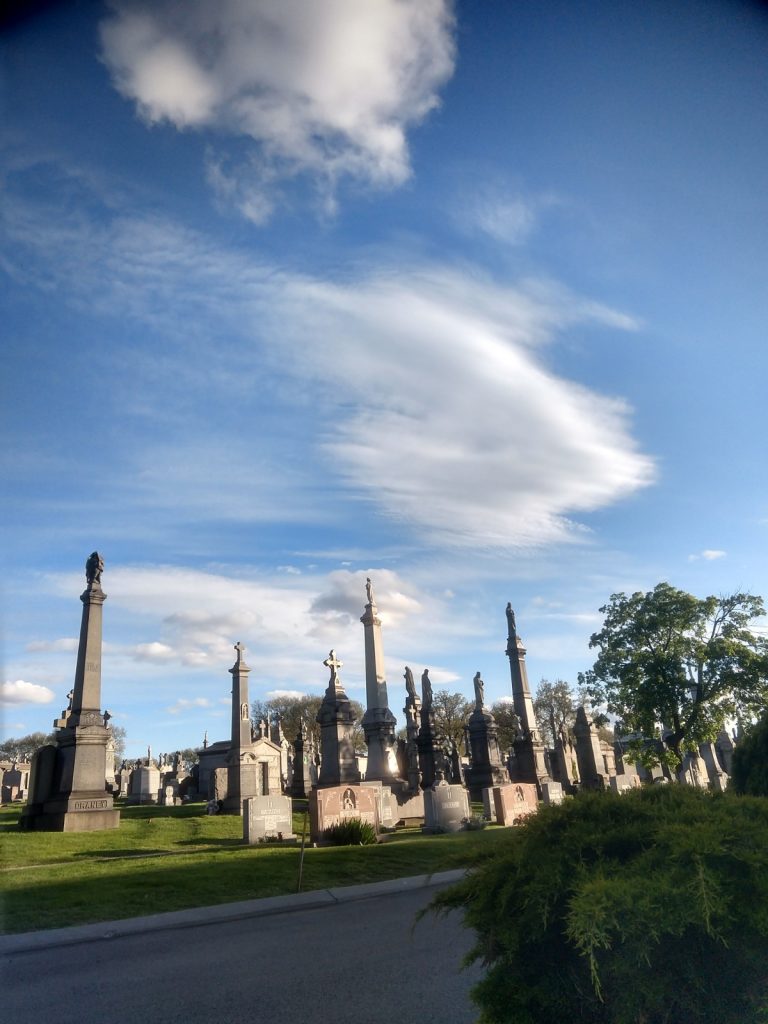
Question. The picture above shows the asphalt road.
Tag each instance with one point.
(361, 961)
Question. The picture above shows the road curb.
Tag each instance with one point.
(27, 942)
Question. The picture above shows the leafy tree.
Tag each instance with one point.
(667, 657)
(506, 722)
(451, 713)
(554, 709)
(749, 773)
(119, 735)
(643, 908)
(23, 747)
(293, 709)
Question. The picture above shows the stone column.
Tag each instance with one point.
(378, 721)
(338, 763)
(529, 750)
(301, 783)
(77, 800)
(240, 758)
(412, 716)
(427, 736)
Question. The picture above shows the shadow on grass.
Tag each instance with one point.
(133, 854)
(199, 841)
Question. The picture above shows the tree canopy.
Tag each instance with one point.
(451, 713)
(23, 747)
(554, 709)
(668, 658)
(292, 709)
(507, 723)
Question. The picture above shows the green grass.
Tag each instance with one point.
(173, 858)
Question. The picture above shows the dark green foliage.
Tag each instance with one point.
(750, 761)
(350, 832)
(666, 656)
(23, 747)
(645, 908)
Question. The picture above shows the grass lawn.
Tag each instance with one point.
(173, 858)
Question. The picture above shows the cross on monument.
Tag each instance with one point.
(333, 664)
(240, 648)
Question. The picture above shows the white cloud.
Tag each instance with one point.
(327, 88)
(188, 704)
(425, 388)
(505, 215)
(65, 643)
(709, 555)
(21, 692)
(154, 651)
(288, 694)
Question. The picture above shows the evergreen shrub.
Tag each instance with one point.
(649, 907)
(749, 773)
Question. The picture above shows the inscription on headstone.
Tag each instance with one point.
(267, 817)
(515, 802)
(335, 804)
(446, 807)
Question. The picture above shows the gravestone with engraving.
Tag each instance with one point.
(446, 807)
(515, 802)
(333, 804)
(386, 804)
(267, 817)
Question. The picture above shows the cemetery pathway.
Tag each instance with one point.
(358, 961)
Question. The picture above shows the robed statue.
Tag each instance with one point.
(426, 691)
(479, 691)
(94, 568)
(511, 625)
(410, 685)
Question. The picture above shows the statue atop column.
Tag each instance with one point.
(94, 567)
(426, 691)
(369, 590)
(511, 624)
(479, 691)
(410, 686)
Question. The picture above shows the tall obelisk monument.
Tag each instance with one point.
(529, 750)
(68, 793)
(378, 721)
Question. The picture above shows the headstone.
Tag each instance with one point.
(446, 808)
(515, 802)
(267, 817)
(489, 807)
(623, 783)
(552, 793)
(333, 804)
(386, 804)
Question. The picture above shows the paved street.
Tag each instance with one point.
(360, 962)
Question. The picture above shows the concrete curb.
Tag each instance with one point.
(27, 942)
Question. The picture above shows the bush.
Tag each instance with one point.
(645, 908)
(350, 832)
(749, 772)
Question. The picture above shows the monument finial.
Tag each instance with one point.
(479, 691)
(94, 567)
(426, 690)
(240, 648)
(410, 686)
(511, 624)
(334, 665)
(369, 590)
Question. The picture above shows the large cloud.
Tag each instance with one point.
(328, 87)
(21, 692)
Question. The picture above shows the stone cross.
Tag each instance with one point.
(333, 664)
(240, 650)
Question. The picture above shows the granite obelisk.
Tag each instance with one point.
(530, 765)
(68, 793)
(378, 721)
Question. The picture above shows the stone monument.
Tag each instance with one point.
(592, 770)
(378, 721)
(427, 738)
(68, 789)
(338, 763)
(301, 782)
(485, 763)
(530, 765)
(411, 711)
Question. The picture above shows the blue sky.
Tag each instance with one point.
(470, 299)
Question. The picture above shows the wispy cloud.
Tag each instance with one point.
(425, 387)
(188, 704)
(21, 692)
(326, 89)
(506, 215)
(709, 555)
(66, 643)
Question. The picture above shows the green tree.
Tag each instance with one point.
(293, 709)
(749, 772)
(507, 723)
(642, 908)
(23, 747)
(667, 657)
(554, 709)
(451, 713)
(119, 735)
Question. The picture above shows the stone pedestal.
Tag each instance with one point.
(338, 763)
(485, 765)
(70, 791)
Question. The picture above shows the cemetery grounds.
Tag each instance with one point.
(175, 858)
